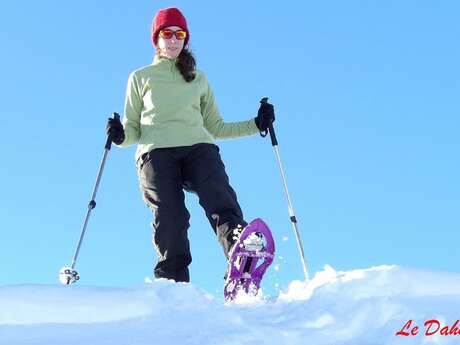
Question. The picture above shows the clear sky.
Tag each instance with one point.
(366, 95)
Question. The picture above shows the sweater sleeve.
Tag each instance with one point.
(133, 109)
(214, 123)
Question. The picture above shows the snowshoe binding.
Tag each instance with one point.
(249, 258)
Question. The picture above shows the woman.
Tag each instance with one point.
(170, 112)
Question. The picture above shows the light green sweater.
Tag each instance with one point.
(163, 110)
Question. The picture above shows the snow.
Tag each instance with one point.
(363, 306)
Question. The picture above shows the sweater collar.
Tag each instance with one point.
(164, 62)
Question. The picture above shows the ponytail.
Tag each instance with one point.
(186, 65)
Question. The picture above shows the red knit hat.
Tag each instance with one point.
(168, 17)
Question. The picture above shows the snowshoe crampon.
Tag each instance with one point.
(249, 259)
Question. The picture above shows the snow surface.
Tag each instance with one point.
(356, 307)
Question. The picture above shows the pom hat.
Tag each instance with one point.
(168, 17)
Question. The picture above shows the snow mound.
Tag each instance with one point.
(364, 306)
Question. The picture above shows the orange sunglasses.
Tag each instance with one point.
(168, 34)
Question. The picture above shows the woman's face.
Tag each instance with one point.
(170, 48)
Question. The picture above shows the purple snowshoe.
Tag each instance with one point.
(248, 260)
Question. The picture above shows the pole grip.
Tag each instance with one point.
(108, 143)
(271, 129)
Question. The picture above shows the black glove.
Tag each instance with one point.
(115, 129)
(265, 115)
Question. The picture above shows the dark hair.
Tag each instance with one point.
(186, 64)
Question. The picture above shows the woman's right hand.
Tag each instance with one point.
(115, 129)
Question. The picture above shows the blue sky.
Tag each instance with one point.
(367, 105)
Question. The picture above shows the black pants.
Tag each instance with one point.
(164, 173)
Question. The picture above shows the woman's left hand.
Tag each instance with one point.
(265, 116)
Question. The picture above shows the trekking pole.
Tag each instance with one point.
(68, 275)
(283, 176)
